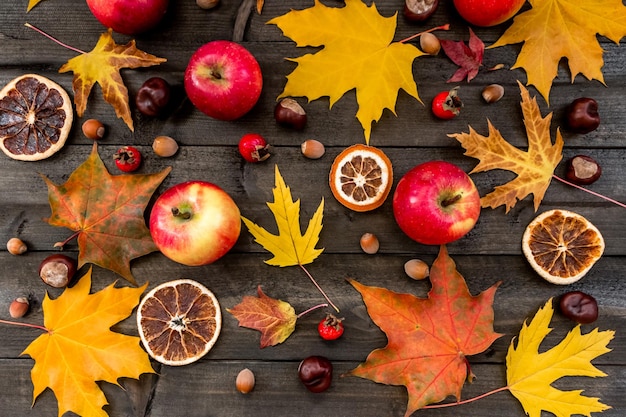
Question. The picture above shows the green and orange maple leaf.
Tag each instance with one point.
(534, 168)
(556, 29)
(80, 349)
(106, 213)
(428, 339)
(359, 53)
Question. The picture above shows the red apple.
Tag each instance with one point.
(436, 203)
(195, 223)
(129, 17)
(223, 80)
(488, 12)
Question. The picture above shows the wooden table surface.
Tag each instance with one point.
(491, 252)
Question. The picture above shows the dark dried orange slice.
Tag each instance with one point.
(562, 246)
(179, 322)
(35, 117)
(361, 177)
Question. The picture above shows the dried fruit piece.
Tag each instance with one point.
(35, 117)
(361, 177)
(245, 381)
(16, 246)
(562, 246)
(179, 322)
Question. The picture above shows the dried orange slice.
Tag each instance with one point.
(35, 117)
(361, 177)
(179, 322)
(562, 246)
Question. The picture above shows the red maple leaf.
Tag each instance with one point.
(468, 58)
(428, 339)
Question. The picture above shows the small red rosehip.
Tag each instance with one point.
(330, 328)
(254, 148)
(127, 158)
(447, 104)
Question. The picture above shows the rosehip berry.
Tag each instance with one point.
(447, 104)
(254, 148)
(330, 328)
(127, 158)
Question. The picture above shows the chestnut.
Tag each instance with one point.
(290, 113)
(582, 115)
(578, 306)
(316, 373)
(153, 96)
(419, 10)
(583, 170)
(57, 270)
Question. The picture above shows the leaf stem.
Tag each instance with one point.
(319, 288)
(442, 27)
(63, 243)
(307, 311)
(71, 48)
(34, 326)
(589, 191)
(469, 400)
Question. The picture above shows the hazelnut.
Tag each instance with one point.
(416, 269)
(429, 43)
(15, 246)
(245, 381)
(207, 4)
(164, 146)
(369, 243)
(290, 113)
(493, 93)
(19, 307)
(57, 270)
(583, 170)
(93, 129)
(312, 149)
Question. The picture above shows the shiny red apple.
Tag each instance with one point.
(436, 203)
(129, 17)
(488, 12)
(223, 80)
(195, 223)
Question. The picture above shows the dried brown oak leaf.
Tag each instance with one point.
(102, 65)
(106, 213)
(468, 57)
(429, 339)
(275, 319)
(534, 168)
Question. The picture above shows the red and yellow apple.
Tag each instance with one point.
(129, 17)
(436, 203)
(488, 12)
(195, 223)
(223, 80)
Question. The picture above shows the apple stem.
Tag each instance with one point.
(185, 215)
(449, 201)
(216, 75)
(71, 48)
(307, 311)
(589, 191)
(319, 288)
(469, 400)
(34, 326)
(410, 38)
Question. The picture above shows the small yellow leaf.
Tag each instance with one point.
(80, 348)
(102, 65)
(534, 168)
(358, 54)
(290, 247)
(31, 4)
(530, 373)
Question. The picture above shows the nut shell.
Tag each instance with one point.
(93, 129)
(19, 307)
(369, 243)
(164, 146)
(245, 381)
(312, 149)
(493, 93)
(289, 112)
(583, 170)
(430, 43)
(416, 269)
(16, 246)
(57, 270)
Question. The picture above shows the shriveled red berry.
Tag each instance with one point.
(330, 328)
(447, 104)
(254, 148)
(127, 158)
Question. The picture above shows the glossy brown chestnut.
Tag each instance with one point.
(578, 306)
(153, 96)
(582, 115)
(57, 270)
(419, 10)
(316, 373)
(583, 170)
(289, 112)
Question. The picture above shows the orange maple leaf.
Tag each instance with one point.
(428, 339)
(534, 168)
(106, 212)
(80, 349)
(102, 65)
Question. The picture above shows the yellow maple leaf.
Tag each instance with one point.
(534, 168)
(80, 349)
(289, 247)
(555, 29)
(102, 65)
(31, 4)
(358, 54)
(530, 373)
